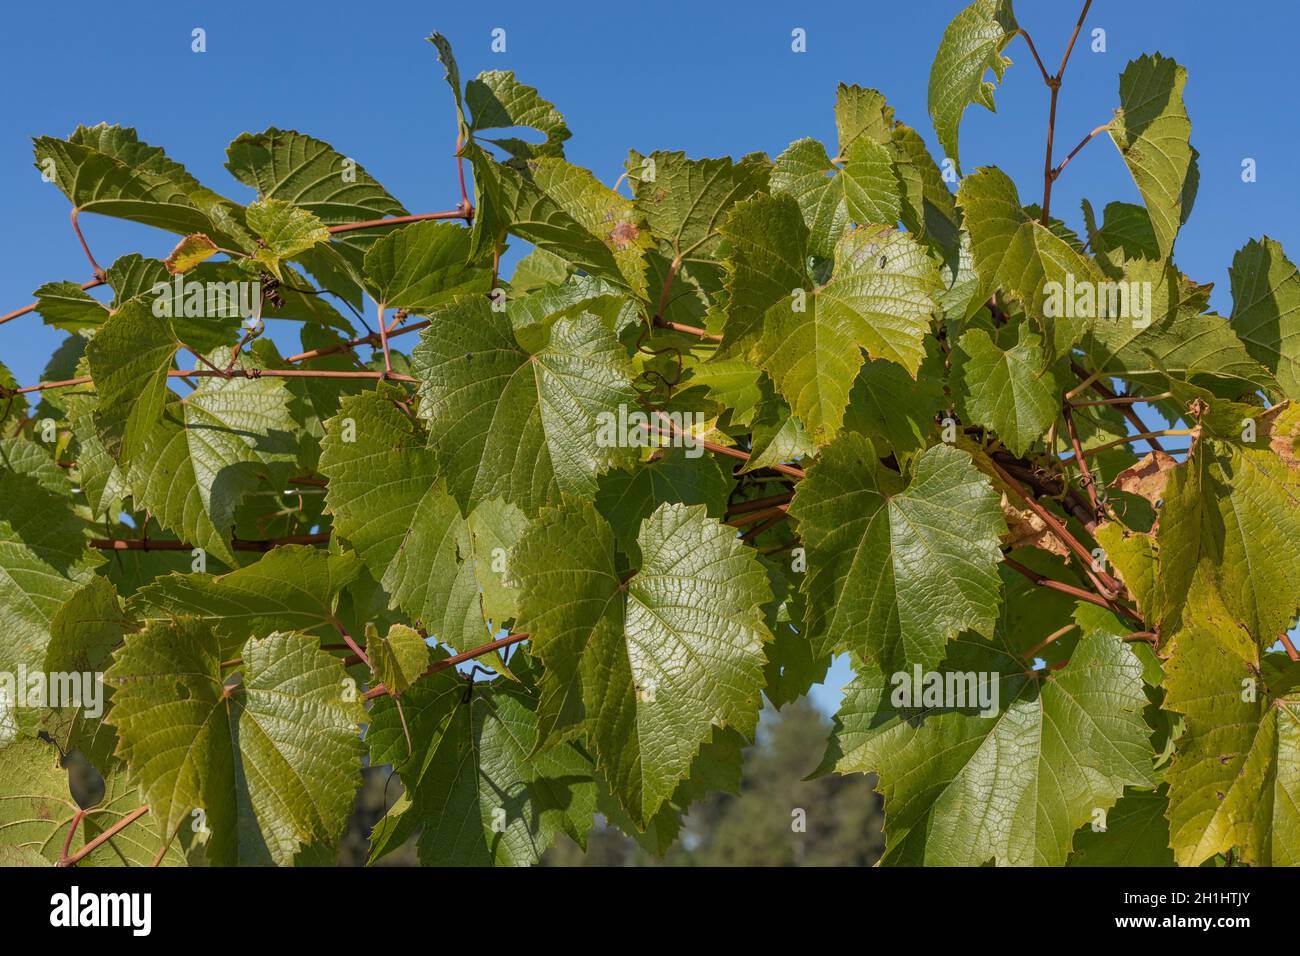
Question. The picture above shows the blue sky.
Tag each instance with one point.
(711, 79)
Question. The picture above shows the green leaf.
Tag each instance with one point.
(657, 658)
(129, 358)
(300, 169)
(971, 45)
(1019, 255)
(389, 503)
(497, 100)
(86, 629)
(1266, 310)
(109, 170)
(1176, 341)
(472, 788)
(809, 337)
(561, 209)
(273, 761)
(423, 265)
(1136, 834)
(1010, 391)
(290, 588)
(684, 202)
(398, 658)
(286, 231)
(1236, 511)
(862, 191)
(198, 460)
(894, 410)
(965, 785)
(1153, 134)
(43, 556)
(67, 306)
(897, 570)
(520, 423)
(1235, 780)
(38, 806)
(625, 499)
(1126, 228)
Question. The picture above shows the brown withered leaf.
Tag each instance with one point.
(1026, 530)
(1148, 477)
(1280, 427)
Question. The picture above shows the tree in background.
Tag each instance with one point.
(754, 827)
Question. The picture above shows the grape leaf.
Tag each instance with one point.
(423, 265)
(1266, 310)
(43, 559)
(292, 587)
(972, 44)
(810, 336)
(897, 570)
(389, 503)
(203, 454)
(398, 657)
(472, 788)
(1019, 255)
(1236, 510)
(273, 760)
(963, 786)
(1136, 834)
(1152, 132)
(129, 358)
(515, 422)
(109, 170)
(1235, 780)
(657, 658)
(1010, 391)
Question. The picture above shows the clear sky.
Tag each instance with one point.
(709, 78)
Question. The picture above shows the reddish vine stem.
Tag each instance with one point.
(703, 334)
(352, 644)
(16, 313)
(383, 342)
(1074, 152)
(766, 514)
(235, 373)
(379, 690)
(94, 266)
(1122, 400)
(1290, 648)
(1081, 594)
(668, 283)
(1143, 436)
(1054, 85)
(1133, 418)
(1089, 483)
(100, 840)
(150, 544)
(1049, 639)
(1037, 59)
(1104, 582)
(758, 529)
(759, 504)
(720, 449)
(466, 211)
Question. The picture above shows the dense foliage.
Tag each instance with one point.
(549, 562)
